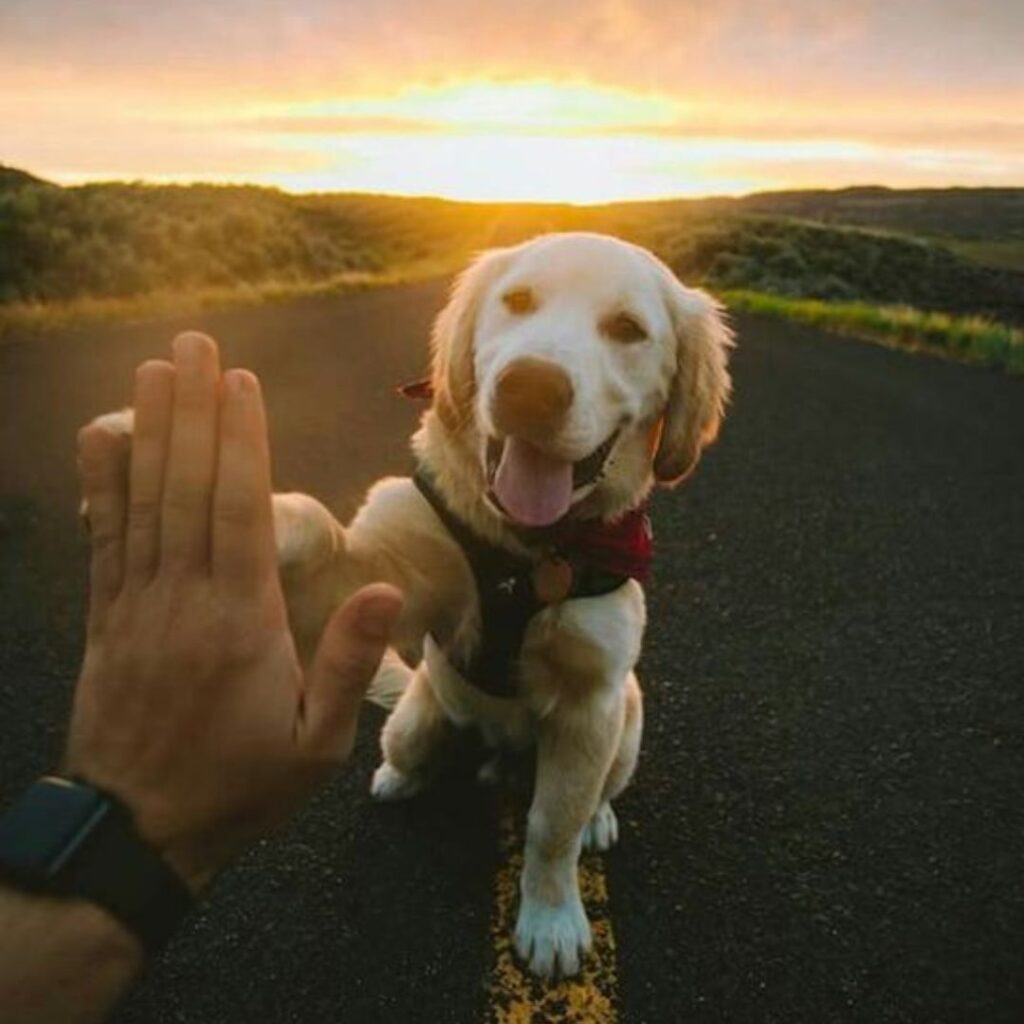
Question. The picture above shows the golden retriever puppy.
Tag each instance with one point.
(570, 375)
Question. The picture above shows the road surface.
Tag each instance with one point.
(828, 820)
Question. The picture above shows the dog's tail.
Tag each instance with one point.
(390, 681)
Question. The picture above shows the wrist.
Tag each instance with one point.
(191, 862)
(61, 959)
(82, 923)
(67, 840)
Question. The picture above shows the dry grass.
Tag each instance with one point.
(22, 319)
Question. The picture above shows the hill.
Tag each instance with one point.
(11, 177)
(962, 213)
(803, 259)
(123, 240)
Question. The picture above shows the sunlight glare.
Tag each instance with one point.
(576, 169)
(532, 105)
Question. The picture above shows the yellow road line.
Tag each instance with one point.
(516, 996)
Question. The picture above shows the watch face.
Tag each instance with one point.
(46, 825)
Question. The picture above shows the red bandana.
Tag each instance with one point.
(624, 546)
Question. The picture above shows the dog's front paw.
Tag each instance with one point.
(553, 940)
(391, 784)
(304, 532)
(602, 831)
(121, 424)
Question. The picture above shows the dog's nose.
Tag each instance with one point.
(531, 398)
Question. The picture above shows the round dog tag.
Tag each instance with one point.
(552, 580)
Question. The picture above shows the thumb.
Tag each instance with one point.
(349, 654)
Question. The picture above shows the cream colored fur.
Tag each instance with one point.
(580, 704)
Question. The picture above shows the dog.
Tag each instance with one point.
(570, 374)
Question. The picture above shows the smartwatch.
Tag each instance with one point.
(65, 838)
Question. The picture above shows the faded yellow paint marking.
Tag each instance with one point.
(516, 996)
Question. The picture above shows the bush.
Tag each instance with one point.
(802, 260)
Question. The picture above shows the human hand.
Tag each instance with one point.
(192, 706)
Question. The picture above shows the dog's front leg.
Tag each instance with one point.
(577, 742)
(310, 557)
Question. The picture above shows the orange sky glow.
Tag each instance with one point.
(573, 101)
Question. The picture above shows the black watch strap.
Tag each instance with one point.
(66, 838)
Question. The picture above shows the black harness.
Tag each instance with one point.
(505, 586)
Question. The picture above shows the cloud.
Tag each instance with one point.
(996, 136)
(270, 90)
(258, 46)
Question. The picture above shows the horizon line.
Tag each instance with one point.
(75, 181)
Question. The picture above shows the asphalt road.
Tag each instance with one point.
(828, 821)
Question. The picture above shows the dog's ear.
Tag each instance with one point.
(701, 385)
(452, 377)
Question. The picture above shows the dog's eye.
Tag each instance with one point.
(519, 301)
(625, 328)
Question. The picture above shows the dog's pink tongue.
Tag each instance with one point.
(533, 488)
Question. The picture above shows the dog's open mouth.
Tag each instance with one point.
(534, 488)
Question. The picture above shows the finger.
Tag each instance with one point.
(351, 647)
(154, 397)
(243, 551)
(103, 469)
(192, 453)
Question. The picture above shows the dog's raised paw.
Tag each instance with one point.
(391, 784)
(602, 831)
(552, 941)
(121, 424)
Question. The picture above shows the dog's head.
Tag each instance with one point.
(578, 369)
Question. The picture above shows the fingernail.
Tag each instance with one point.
(189, 347)
(376, 615)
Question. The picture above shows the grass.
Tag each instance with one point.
(21, 319)
(971, 339)
(1006, 254)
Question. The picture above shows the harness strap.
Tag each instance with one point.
(508, 601)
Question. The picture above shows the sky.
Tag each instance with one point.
(571, 100)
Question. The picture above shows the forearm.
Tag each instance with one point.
(61, 961)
